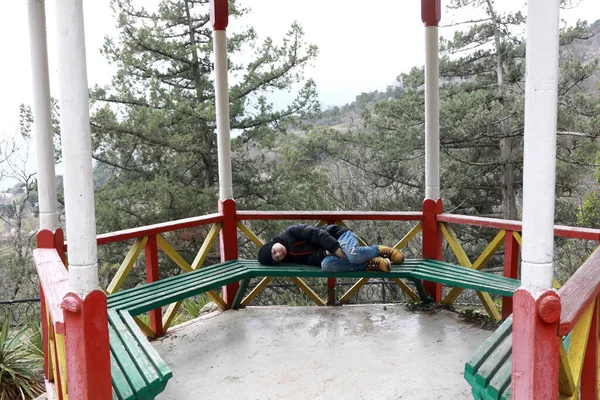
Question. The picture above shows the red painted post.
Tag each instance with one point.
(432, 242)
(431, 12)
(535, 349)
(152, 275)
(511, 269)
(87, 346)
(331, 282)
(589, 375)
(229, 244)
(219, 14)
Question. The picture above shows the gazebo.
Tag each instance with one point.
(94, 344)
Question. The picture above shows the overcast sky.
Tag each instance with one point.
(364, 45)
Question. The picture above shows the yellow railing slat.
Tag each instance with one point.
(352, 291)
(416, 229)
(463, 259)
(578, 343)
(566, 384)
(481, 261)
(257, 289)
(249, 234)
(172, 253)
(518, 238)
(308, 291)
(62, 363)
(210, 239)
(127, 264)
(406, 289)
(146, 330)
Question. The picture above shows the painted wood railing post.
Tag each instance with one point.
(589, 375)
(331, 282)
(432, 242)
(219, 18)
(152, 275)
(511, 268)
(87, 346)
(432, 237)
(536, 344)
(229, 245)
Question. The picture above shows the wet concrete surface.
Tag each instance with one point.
(350, 352)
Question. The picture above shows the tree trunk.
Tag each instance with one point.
(509, 206)
(205, 132)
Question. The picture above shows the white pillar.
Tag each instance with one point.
(42, 115)
(540, 143)
(432, 114)
(222, 105)
(77, 148)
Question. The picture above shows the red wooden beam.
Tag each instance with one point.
(87, 346)
(330, 215)
(152, 275)
(431, 12)
(481, 221)
(54, 280)
(497, 223)
(219, 14)
(511, 269)
(535, 348)
(579, 292)
(589, 376)
(229, 245)
(150, 230)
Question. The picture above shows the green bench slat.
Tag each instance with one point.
(489, 369)
(173, 290)
(152, 380)
(121, 388)
(468, 272)
(484, 351)
(165, 297)
(494, 362)
(474, 275)
(160, 366)
(500, 382)
(149, 288)
(127, 366)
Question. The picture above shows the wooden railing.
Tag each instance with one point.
(151, 238)
(579, 318)
(74, 331)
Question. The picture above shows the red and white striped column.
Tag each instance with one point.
(219, 18)
(431, 11)
(536, 312)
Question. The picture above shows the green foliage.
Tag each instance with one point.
(21, 362)
(153, 127)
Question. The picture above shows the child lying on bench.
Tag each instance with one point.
(334, 248)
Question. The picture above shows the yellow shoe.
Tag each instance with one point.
(392, 254)
(379, 264)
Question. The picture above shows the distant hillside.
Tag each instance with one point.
(342, 117)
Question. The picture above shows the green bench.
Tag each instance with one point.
(139, 372)
(489, 370)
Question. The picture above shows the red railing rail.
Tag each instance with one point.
(511, 225)
(579, 292)
(330, 215)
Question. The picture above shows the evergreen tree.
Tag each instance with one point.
(154, 127)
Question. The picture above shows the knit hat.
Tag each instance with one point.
(264, 254)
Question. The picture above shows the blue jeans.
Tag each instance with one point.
(356, 255)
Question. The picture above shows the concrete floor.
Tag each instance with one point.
(350, 352)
